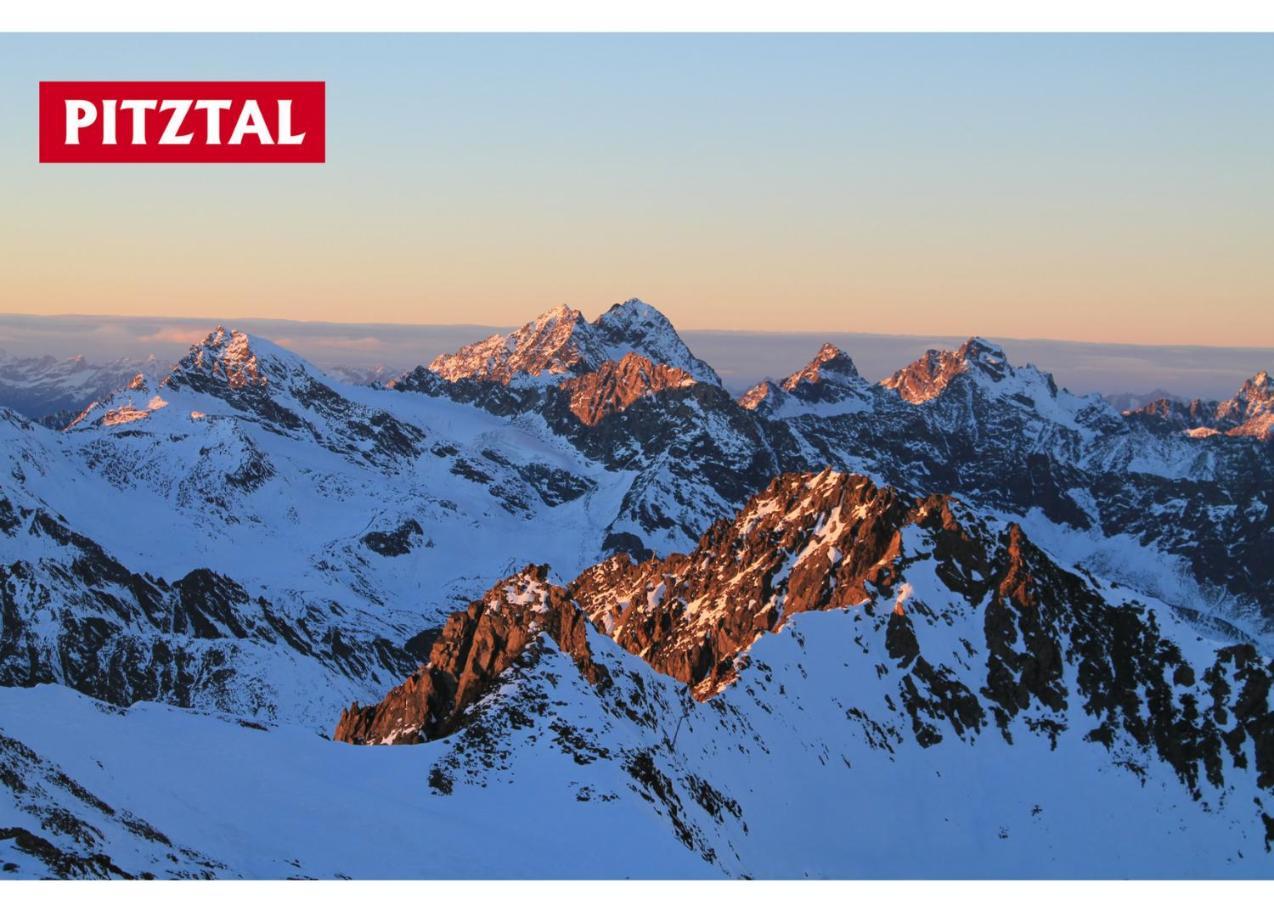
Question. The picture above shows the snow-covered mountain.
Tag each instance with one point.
(1196, 515)
(326, 527)
(232, 552)
(562, 342)
(1101, 732)
(829, 381)
(54, 390)
(1186, 520)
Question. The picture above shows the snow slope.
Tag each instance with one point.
(259, 544)
(840, 750)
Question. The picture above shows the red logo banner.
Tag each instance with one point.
(183, 121)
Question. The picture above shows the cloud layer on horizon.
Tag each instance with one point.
(742, 358)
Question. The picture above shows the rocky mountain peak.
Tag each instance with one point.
(636, 326)
(925, 378)
(227, 356)
(976, 346)
(232, 373)
(762, 397)
(630, 312)
(555, 326)
(829, 378)
(1251, 409)
(561, 343)
(53, 391)
(131, 403)
(808, 541)
(563, 311)
(556, 342)
(1256, 393)
(928, 376)
(831, 363)
(1249, 413)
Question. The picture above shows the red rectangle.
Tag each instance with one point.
(183, 121)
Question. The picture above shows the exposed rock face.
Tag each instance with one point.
(929, 376)
(1249, 413)
(698, 457)
(223, 356)
(831, 366)
(557, 342)
(53, 391)
(829, 378)
(562, 343)
(398, 542)
(980, 634)
(1252, 407)
(492, 395)
(805, 543)
(615, 386)
(72, 614)
(476, 646)
(963, 422)
(759, 396)
(88, 829)
(637, 327)
(279, 390)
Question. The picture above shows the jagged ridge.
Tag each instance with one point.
(1053, 652)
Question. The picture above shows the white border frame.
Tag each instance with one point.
(639, 15)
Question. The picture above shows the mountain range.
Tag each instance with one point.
(576, 581)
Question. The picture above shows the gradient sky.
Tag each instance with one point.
(1092, 188)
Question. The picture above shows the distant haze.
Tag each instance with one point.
(1091, 187)
(741, 357)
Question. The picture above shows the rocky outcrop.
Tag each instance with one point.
(829, 378)
(826, 378)
(615, 386)
(982, 629)
(476, 646)
(929, 376)
(72, 614)
(807, 542)
(398, 542)
(555, 343)
(760, 396)
(1252, 407)
(1167, 415)
(1249, 413)
(964, 422)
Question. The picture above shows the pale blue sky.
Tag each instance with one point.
(1111, 188)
